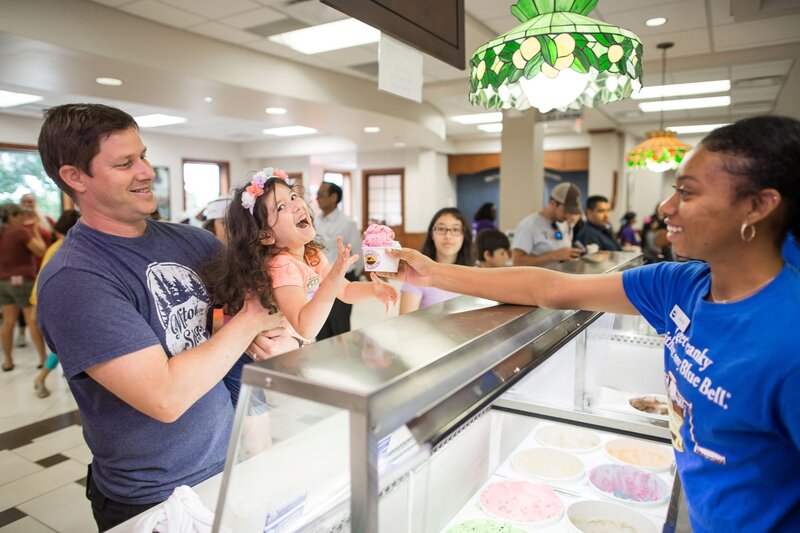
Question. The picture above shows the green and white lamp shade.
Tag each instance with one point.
(558, 58)
(660, 152)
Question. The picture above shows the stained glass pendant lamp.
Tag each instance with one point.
(661, 151)
(558, 58)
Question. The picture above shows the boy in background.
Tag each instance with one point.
(494, 248)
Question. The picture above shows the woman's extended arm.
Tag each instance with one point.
(519, 285)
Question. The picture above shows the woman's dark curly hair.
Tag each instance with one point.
(764, 153)
(243, 266)
(466, 255)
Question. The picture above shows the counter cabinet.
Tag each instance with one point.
(399, 426)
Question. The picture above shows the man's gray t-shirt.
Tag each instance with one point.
(535, 235)
(103, 296)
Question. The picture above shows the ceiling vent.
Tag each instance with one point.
(761, 81)
(752, 107)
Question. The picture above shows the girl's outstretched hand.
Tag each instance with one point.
(415, 268)
(383, 291)
(343, 261)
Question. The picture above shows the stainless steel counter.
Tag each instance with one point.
(427, 369)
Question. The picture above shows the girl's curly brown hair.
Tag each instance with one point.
(242, 267)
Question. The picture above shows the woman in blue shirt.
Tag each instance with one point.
(730, 320)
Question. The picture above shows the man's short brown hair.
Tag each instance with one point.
(71, 135)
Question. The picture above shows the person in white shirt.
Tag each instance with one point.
(330, 223)
(546, 236)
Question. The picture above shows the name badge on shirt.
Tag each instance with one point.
(679, 317)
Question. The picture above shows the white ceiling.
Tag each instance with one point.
(755, 43)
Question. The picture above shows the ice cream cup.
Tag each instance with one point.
(377, 260)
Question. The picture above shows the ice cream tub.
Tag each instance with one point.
(647, 455)
(629, 484)
(548, 464)
(575, 440)
(590, 516)
(521, 502)
(484, 526)
(377, 238)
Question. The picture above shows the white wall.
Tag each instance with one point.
(19, 130)
(170, 151)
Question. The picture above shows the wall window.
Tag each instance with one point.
(203, 181)
(21, 172)
(383, 198)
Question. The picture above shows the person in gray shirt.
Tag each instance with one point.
(546, 236)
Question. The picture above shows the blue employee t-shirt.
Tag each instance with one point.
(103, 296)
(791, 251)
(733, 380)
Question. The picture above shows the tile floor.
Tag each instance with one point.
(43, 456)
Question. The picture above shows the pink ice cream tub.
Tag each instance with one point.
(629, 484)
(377, 238)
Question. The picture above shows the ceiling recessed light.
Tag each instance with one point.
(275, 111)
(111, 82)
(157, 119)
(491, 128)
(326, 37)
(11, 99)
(208, 99)
(478, 118)
(289, 131)
(685, 103)
(372, 129)
(697, 128)
(682, 89)
(655, 21)
(399, 145)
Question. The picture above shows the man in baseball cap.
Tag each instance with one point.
(546, 236)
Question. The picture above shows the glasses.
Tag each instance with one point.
(442, 230)
(558, 234)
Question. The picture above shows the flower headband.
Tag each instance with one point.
(256, 187)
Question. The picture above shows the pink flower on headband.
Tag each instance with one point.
(256, 187)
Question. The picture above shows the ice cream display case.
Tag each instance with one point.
(464, 416)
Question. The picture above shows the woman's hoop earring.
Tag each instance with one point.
(747, 234)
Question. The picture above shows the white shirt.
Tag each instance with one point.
(331, 226)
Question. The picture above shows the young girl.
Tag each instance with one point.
(449, 241)
(271, 251)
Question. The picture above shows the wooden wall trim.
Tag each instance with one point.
(573, 160)
(471, 163)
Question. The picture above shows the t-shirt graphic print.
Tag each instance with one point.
(182, 304)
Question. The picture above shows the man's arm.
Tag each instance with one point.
(165, 387)
(520, 258)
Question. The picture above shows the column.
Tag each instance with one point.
(521, 168)
(606, 156)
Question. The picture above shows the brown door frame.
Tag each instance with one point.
(365, 174)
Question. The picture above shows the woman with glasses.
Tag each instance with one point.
(449, 241)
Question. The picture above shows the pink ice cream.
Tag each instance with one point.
(377, 235)
(521, 501)
(376, 239)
